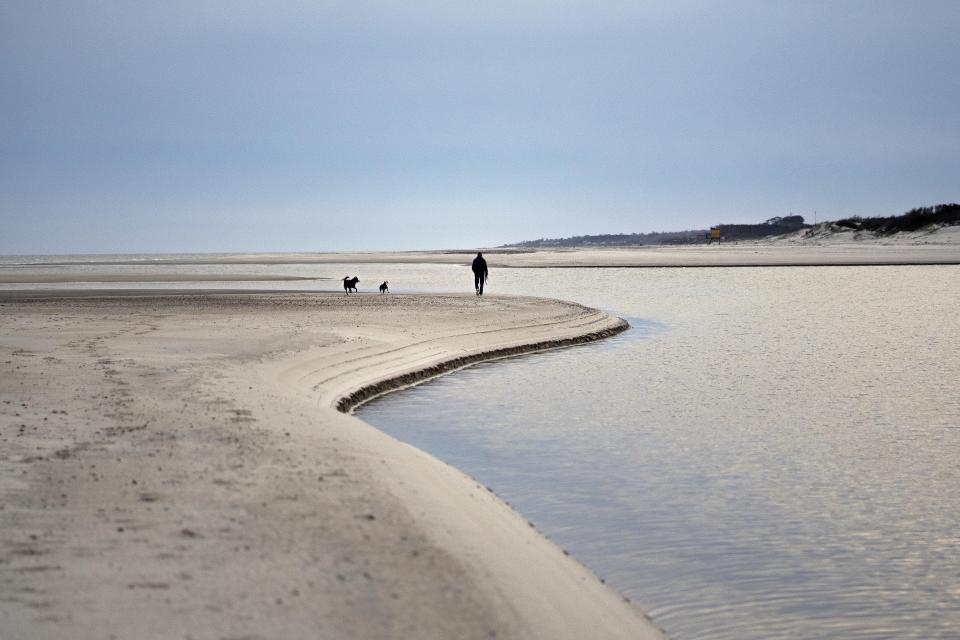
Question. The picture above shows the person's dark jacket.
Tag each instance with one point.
(480, 267)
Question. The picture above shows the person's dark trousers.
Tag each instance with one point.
(478, 282)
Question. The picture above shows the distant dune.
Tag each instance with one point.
(936, 224)
(831, 233)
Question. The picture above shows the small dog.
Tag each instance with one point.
(350, 283)
(384, 288)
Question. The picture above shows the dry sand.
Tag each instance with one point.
(173, 467)
(172, 464)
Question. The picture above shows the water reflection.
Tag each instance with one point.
(770, 454)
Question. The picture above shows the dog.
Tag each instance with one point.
(384, 288)
(350, 283)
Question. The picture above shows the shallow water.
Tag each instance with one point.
(768, 453)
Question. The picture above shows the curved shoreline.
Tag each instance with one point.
(182, 469)
(351, 401)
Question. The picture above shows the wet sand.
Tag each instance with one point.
(174, 466)
(759, 254)
(55, 277)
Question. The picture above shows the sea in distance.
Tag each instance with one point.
(767, 453)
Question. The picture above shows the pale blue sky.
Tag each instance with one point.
(300, 126)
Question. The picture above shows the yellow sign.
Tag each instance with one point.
(714, 233)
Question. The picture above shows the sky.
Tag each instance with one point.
(188, 126)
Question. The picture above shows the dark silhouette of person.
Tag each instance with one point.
(480, 273)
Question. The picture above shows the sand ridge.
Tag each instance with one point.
(174, 466)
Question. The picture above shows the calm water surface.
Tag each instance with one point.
(769, 453)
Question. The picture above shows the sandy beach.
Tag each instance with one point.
(179, 463)
(942, 247)
(27, 277)
(174, 466)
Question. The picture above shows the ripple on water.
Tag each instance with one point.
(770, 453)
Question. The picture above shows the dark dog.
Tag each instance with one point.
(384, 288)
(350, 283)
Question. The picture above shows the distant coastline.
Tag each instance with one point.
(921, 222)
(816, 247)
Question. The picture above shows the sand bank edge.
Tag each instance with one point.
(349, 402)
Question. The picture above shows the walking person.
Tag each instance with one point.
(480, 273)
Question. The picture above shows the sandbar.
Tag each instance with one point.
(753, 254)
(174, 465)
(56, 277)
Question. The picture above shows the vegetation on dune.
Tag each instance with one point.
(618, 239)
(771, 227)
(941, 214)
